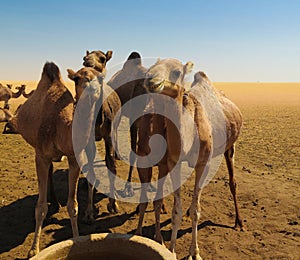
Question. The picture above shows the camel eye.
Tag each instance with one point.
(175, 75)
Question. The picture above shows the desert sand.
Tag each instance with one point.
(267, 170)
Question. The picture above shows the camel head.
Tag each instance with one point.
(167, 77)
(97, 60)
(87, 79)
(21, 88)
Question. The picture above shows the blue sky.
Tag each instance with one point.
(230, 40)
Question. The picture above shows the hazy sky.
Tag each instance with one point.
(230, 40)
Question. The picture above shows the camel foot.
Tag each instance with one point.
(113, 207)
(116, 156)
(32, 252)
(195, 257)
(128, 190)
(240, 228)
(159, 239)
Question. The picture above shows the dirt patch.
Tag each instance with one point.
(267, 171)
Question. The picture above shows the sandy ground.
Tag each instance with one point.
(267, 171)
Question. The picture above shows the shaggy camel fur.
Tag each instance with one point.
(167, 77)
(128, 83)
(51, 111)
(6, 94)
(106, 108)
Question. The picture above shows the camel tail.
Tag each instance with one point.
(51, 71)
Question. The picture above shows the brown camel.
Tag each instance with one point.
(106, 109)
(97, 60)
(6, 94)
(51, 111)
(167, 77)
(128, 83)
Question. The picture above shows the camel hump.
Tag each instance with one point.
(51, 71)
(199, 76)
(135, 56)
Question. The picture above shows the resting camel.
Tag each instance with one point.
(167, 77)
(128, 83)
(6, 94)
(108, 107)
(51, 111)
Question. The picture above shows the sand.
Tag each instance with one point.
(267, 171)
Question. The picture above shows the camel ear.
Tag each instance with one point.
(87, 53)
(188, 67)
(108, 55)
(71, 74)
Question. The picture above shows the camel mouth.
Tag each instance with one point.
(157, 87)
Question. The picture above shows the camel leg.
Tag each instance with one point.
(128, 191)
(158, 201)
(229, 156)
(72, 204)
(53, 199)
(89, 212)
(41, 208)
(177, 210)
(145, 175)
(112, 206)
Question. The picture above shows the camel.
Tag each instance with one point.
(46, 121)
(27, 95)
(167, 77)
(97, 60)
(6, 94)
(108, 107)
(128, 83)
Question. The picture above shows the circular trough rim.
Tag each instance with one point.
(66, 244)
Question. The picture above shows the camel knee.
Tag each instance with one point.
(194, 213)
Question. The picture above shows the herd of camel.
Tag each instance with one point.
(55, 112)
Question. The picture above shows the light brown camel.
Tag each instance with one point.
(106, 109)
(51, 111)
(167, 77)
(128, 83)
(6, 94)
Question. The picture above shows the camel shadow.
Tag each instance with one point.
(17, 219)
(149, 231)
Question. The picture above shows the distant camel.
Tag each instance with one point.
(6, 94)
(97, 60)
(27, 95)
(45, 121)
(167, 77)
(103, 129)
(128, 83)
